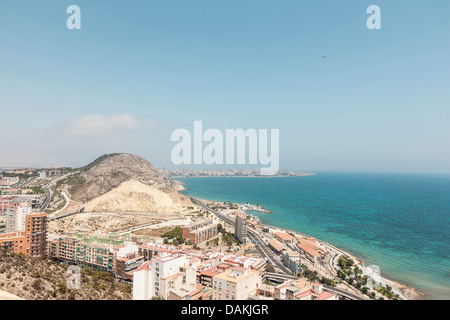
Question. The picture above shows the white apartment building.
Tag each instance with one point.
(16, 215)
(235, 284)
(158, 276)
(143, 282)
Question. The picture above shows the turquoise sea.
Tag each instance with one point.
(399, 222)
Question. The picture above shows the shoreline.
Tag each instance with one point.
(407, 291)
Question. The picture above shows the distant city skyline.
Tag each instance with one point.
(345, 98)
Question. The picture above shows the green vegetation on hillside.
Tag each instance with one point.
(96, 161)
(73, 180)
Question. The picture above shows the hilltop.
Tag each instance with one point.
(123, 182)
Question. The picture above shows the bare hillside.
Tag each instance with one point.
(127, 183)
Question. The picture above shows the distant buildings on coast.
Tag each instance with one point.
(230, 173)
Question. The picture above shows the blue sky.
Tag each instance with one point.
(137, 70)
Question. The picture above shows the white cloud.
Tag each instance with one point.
(99, 125)
(149, 123)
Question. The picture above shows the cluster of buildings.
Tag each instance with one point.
(46, 173)
(299, 289)
(157, 269)
(10, 196)
(163, 270)
(175, 274)
(290, 248)
(227, 173)
(43, 173)
(8, 181)
(206, 173)
(25, 229)
(310, 248)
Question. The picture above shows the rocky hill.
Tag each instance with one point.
(126, 183)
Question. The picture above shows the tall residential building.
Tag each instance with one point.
(16, 213)
(32, 241)
(36, 233)
(240, 226)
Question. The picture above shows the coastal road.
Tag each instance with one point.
(337, 291)
(266, 252)
(260, 245)
(342, 293)
(219, 215)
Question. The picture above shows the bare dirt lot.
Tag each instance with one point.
(153, 232)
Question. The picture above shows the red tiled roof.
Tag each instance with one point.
(210, 272)
(304, 294)
(324, 295)
(275, 244)
(284, 236)
(145, 266)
